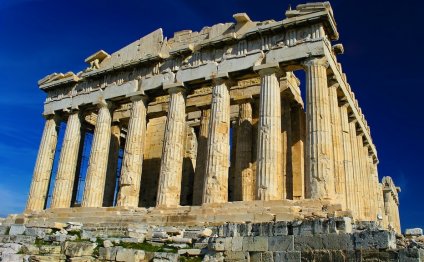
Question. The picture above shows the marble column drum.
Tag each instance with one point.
(170, 174)
(199, 175)
(218, 159)
(99, 155)
(67, 169)
(129, 184)
(244, 178)
(43, 166)
(319, 146)
(269, 176)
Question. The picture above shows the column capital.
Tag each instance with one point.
(175, 88)
(53, 116)
(268, 69)
(101, 103)
(316, 61)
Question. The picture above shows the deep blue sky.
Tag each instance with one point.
(383, 60)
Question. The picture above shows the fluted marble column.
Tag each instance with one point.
(112, 166)
(170, 174)
(129, 184)
(348, 159)
(356, 168)
(298, 153)
(373, 188)
(319, 145)
(336, 134)
(43, 166)
(286, 156)
(269, 184)
(217, 164)
(244, 188)
(363, 184)
(368, 184)
(97, 165)
(67, 169)
(202, 148)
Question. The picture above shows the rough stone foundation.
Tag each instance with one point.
(325, 239)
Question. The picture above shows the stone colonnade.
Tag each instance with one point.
(273, 161)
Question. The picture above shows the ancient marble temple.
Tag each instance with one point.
(215, 118)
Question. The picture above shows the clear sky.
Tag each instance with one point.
(383, 60)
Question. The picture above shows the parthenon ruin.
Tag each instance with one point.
(213, 120)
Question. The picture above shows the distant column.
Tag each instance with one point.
(66, 172)
(43, 166)
(336, 134)
(298, 153)
(286, 154)
(216, 178)
(112, 166)
(97, 165)
(129, 185)
(170, 175)
(319, 146)
(268, 173)
(244, 188)
(356, 168)
(202, 148)
(348, 159)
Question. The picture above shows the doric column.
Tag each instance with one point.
(286, 154)
(373, 188)
(356, 168)
(97, 165)
(336, 134)
(363, 184)
(43, 166)
(367, 183)
(129, 184)
(298, 155)
(202, 148)
(244, 188)
(319, 146)
(348, 159)
(67, 169)
(269, 184)
(112, 166)
(217, 164)
(171, 165)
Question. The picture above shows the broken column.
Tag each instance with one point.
(199, 175)
(169, 189)
(218, 155)
(97, 165)
(244, 178)
(43, 166)
(67, 169)
(129, 184)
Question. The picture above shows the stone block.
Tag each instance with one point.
(16, 230)
(327, 255)
(30, 249)
(220, 243)
(23, 239)
(82, 259)
(11, 257)
(261, 257)
(190, 252)
(79, 249)
(411, 255)
(109, 253)
(344, 225)
(287, 256)
(10, 248)
(281, 243)
(47, 258)
(255, 244)
(323, 241)
(37, 232)
(237, 244)
(164, 257)
(375, 239)
(45, 249)
(3, 230)
(280, 228)
(130, 255)
(236, 256)
(414, 231)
